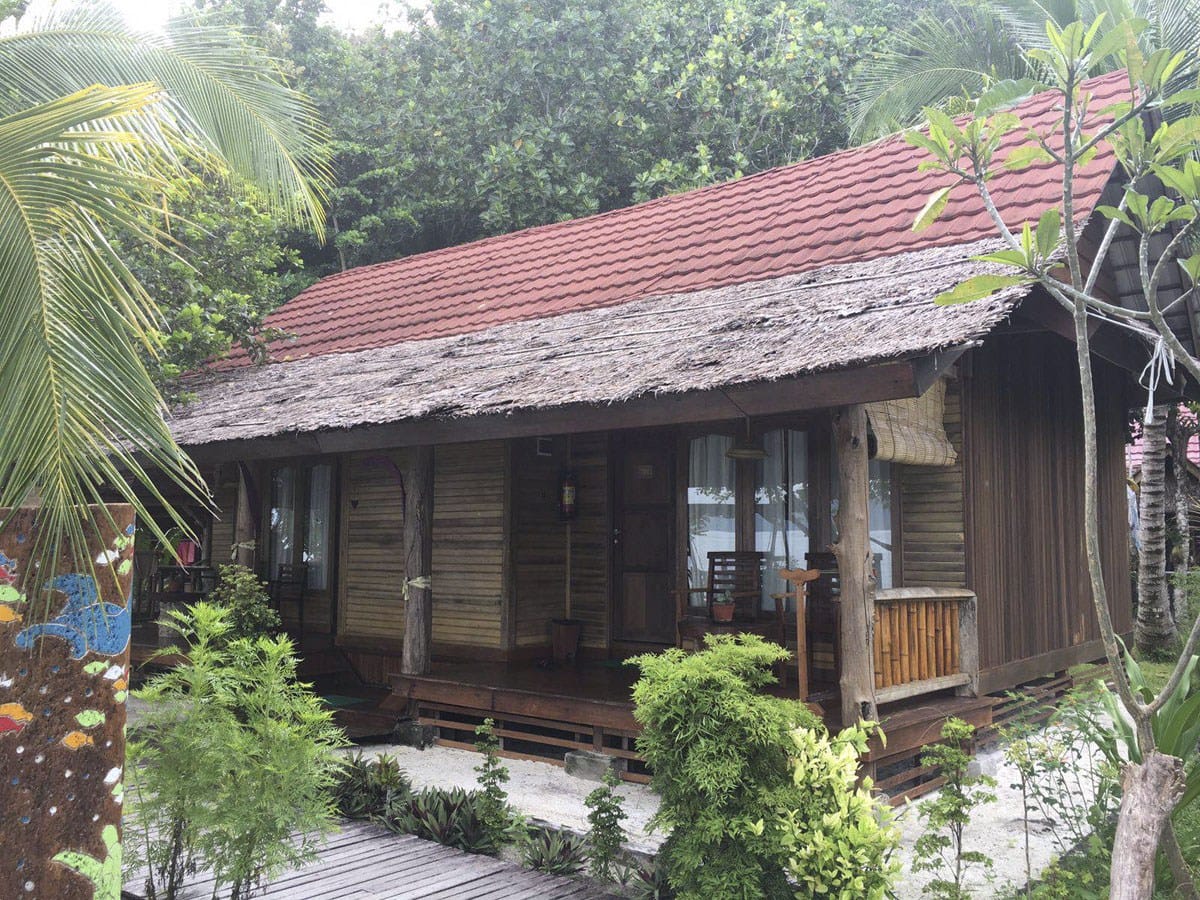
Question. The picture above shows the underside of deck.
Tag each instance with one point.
(544, 713)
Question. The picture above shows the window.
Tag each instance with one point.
(880, 521)
(301, 507)
(712, 512)
(781, 507)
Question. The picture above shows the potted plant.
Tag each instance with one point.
(722, 608)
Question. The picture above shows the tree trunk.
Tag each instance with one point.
(1155, 630)
(855, 572)
(1180, 434)
(418, 562)
(1150, 790)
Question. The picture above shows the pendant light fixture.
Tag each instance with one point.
(746, 447)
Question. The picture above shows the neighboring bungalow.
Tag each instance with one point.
(588, 420)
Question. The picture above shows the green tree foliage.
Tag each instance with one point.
(226, 267)
(234, 761)
(719, 749)
(244, 597)
(485, 117)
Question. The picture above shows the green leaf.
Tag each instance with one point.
(1049, 230)
(932, 209)
(1025, 156)
(979, 287)
(1005, 257)
(1113, 212)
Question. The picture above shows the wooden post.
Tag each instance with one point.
(418, 561)
(853, 552)
(245, 532)
(968, 645)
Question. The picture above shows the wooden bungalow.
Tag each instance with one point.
(579, 421)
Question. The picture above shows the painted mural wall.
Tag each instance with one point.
(63, 685)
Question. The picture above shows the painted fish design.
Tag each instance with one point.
(77, 739)
(13, 717)
(85, 622)
(8, 614)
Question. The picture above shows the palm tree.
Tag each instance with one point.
(94, 117)
(961, 50)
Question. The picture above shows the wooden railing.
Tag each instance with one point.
(926, 640)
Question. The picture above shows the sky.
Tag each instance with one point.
(151, 15)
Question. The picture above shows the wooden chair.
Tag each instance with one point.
(738, 573)
(798, 579)
(290, 587)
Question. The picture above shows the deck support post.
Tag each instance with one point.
(855, 571)
(418, 561)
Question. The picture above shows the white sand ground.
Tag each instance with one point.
(547, 793)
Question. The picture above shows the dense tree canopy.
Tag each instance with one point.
(484, 117)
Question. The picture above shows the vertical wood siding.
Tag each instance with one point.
(1023, 456)
(933, 546)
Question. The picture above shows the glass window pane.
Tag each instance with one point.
(316, 527)
(781, 507)
(881, 521)
(712, 515)
(283, 519)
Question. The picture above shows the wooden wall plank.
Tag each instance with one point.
(1023, 457)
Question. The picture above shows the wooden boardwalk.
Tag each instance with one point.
(366, 862)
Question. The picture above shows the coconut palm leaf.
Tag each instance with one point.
(80, 412)
(226, 98)
(958, 54)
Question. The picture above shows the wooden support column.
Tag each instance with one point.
(418, 561)
(855, 572)
(245, 527)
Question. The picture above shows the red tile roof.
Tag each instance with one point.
(850, 206)
(1135, 451)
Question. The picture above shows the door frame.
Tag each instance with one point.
(668, 437)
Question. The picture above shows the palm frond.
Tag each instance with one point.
(224, 94)
(934, 60)
(80, 413)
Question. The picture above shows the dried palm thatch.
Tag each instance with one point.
(839, 317)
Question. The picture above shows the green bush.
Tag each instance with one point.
(499, 819)
(365, 785)
(554, 852)
(719, 749)
(606, 812)
(245, 598)
(840, 840)
(232, 757)
(452, 817)
(941, 849)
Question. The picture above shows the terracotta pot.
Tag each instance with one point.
(564, 637)
(723, 612)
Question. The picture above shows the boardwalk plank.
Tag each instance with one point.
(363, 861)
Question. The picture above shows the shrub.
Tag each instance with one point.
(606, 812)
(940, 849)
(499, 819)
(719, 751)
(840, 840)
(245, 598)
(452, 817)
(554, 852)
(232, 757)
(365, 784)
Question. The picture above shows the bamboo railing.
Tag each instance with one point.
(925, 640)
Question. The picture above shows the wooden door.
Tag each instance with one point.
(644, 537)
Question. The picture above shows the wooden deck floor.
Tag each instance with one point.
(366, 862)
